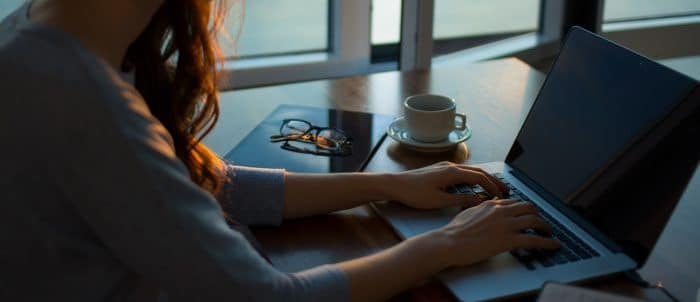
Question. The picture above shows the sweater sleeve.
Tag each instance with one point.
(122, 177)
(253, 196)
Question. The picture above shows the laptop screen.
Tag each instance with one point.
(597, 98)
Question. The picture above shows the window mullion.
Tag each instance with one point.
(551, 20)
(557, 16)
(416, 34)
(350, 27)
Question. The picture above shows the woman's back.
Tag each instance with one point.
(95, 203)
(46, 84)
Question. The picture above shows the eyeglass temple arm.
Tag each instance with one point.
(291, 137)
(315, 152)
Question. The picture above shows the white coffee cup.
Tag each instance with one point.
(430, 118)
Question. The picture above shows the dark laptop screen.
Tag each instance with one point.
(598, 97)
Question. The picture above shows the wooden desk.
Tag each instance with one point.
(496, 95)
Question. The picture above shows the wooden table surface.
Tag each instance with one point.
(496, 96)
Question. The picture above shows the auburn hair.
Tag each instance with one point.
(175, 62)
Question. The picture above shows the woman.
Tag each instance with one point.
(108, 193)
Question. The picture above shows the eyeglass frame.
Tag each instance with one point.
(342, 150)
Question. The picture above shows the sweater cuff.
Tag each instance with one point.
(254, 196)
(325, 283)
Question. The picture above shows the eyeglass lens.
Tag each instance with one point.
(294, 127)
(330, 139)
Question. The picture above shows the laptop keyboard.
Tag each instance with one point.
(572, 248)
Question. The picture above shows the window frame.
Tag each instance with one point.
(348, 53)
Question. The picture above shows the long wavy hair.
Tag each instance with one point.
(175, 63)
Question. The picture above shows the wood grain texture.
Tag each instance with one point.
(496, 95)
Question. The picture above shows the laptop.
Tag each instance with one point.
(605, 153)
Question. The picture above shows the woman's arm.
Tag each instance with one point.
(312, 194)
(148, 217)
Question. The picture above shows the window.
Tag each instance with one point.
(292, 28)
(459, 24)
(625, 10)
(9, 6)
(458, 18)
(286, 40)
(386, 22)
(385, 30)
(274, 27)
(456, 25)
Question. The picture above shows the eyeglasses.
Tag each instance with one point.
(328, 141)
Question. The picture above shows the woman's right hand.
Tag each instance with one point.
(490, 228)
(475, 234)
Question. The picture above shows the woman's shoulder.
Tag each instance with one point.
(49, 74)
(41, 56)
(44, 58)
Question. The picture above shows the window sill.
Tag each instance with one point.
(273, 70)
(659, 38)
(277, 61)
(503, 48)
(651, 23)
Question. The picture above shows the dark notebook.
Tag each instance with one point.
(366, 130)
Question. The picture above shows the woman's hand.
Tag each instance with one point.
(424, 188)
(485, 230)
(490, 228)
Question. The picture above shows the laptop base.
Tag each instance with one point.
(501, 276)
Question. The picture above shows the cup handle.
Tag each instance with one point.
(463, 124)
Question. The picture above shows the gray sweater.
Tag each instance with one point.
(94, 204)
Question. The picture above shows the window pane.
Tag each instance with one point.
(618, 10)
(269, 26)
(9, 6)
(278, 27)
(460, 18)
(386, 21)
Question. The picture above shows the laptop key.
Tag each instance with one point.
(586, 256)
(559, 258)
(591, 251)
(451, 190)
(578, 250)
(544, 260)
(570, 255)
(463, 188)
(524, 257)
(476, 190)
(523, 254)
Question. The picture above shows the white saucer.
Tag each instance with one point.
(399, 132)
